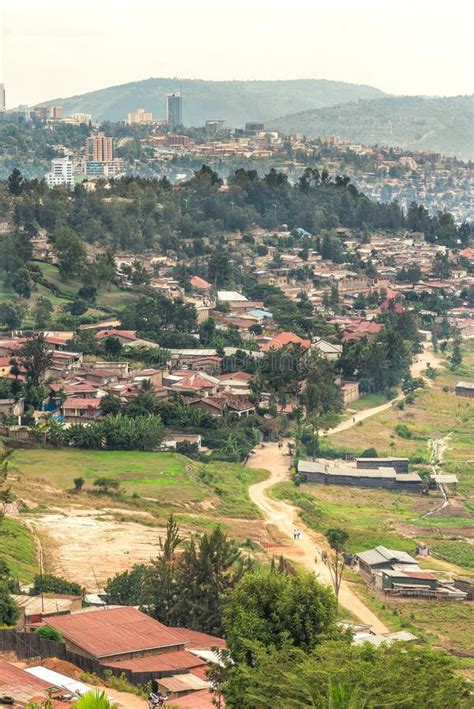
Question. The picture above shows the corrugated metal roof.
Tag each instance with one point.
(114, 631)
(381, 554)
(183, 683)
(163, 662)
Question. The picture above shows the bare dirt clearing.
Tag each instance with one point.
(88, 544)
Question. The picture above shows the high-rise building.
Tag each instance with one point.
(57, 113)
(3, 101)
(254, 127)
(61, 173)
(139, 116)
(99, 148)
(174, 109)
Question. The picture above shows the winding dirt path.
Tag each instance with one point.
(417, 368)
(285, 518)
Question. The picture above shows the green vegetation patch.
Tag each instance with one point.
(169, 479)
(369, 516)
(17, 547)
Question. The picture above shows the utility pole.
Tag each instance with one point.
(41, 577)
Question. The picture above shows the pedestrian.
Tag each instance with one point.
(353, 419)
(294, 534)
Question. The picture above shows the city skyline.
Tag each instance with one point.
(245, 41)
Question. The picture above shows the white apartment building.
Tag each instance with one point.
(139, 116)
(61, 173)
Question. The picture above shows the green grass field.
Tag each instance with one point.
(434, 414)
(368, 515)
(169, 478)
(18, 549)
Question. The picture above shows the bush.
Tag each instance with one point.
(369, 453)
(49, 633)
(403, 431)
(54, 584)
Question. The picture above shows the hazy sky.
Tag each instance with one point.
(52, 48)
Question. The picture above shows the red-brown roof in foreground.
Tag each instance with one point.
(197, 640)
(115, 631)
(163, 662)
(21, 685)
(196, 700)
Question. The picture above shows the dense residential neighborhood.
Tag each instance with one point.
(236, 356)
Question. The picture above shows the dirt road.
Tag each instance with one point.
(285, 518)
(417, 368)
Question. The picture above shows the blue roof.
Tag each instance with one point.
(302, 232)
(261, 313)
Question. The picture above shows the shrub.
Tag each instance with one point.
(49, 633)
(369, 453)
(403, 431)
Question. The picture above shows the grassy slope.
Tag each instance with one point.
(169, 478)
(443, 124)
(435, 413)
(111, 298)
(18, 549)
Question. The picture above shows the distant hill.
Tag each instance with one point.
(442, 124)
(233, 101)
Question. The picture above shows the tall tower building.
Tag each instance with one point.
(99, 148)
(174, 109)
(3, 102)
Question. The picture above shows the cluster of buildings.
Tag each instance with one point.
(396, 574)
(382, 473)
(117, 639)
(96, 160)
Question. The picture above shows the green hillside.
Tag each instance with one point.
(233, 101)
(442, 124)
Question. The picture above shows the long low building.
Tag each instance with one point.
(329, 474)
(400, 465)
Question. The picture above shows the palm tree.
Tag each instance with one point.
(94, 700)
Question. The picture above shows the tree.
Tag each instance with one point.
(456, 356)
(441, 266)
(336, 538)
(338, 675)
(219, 269)
(128, 588)
(9, 610)
(274, 608)
(161, 587)
(112, 346)
(35, 357)
(12, 314)
(42, 312)
(78, 484)
(110, 404)
(192, 588)
(21, 282)
(210, 567)
(71, 252)
(48, 583)
(15, 182)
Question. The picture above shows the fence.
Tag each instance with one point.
(31, 645)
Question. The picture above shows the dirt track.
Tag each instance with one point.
(418, 367)
(285, 518)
